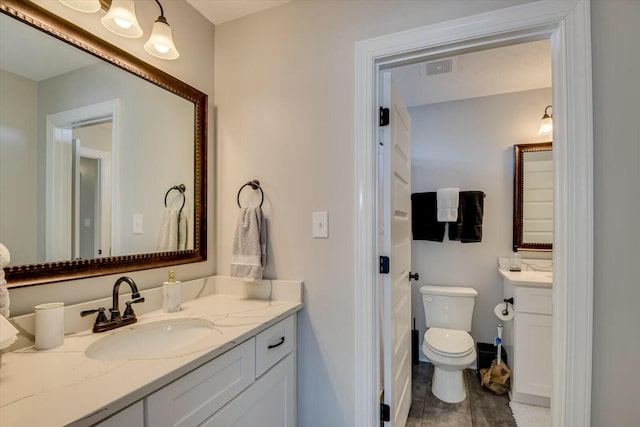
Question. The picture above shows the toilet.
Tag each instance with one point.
(447, 343)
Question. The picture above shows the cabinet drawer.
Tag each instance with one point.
(274, 343)
(533, 300)
(193, 398)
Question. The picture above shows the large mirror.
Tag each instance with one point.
(102, 156)
(533, 197)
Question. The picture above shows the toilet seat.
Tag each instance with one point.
(449, 342)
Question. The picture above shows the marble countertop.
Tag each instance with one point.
(538, 279)
(63, 386)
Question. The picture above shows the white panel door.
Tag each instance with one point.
(396, 243)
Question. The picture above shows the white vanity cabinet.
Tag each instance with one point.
(133, 416)
(251, 384)
(527, 340)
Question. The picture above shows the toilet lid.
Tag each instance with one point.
(449, 342)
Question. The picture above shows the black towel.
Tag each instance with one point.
(468, 227)
(424, 218)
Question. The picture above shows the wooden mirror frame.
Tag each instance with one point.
(34, 274)
(518, 190)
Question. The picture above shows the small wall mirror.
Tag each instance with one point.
(533, 197)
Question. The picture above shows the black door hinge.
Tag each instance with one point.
(384, 265)
(384, 116)
(385, 412)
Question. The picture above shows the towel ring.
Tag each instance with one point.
(181, 188)
(255, 184)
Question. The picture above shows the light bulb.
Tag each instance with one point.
(161, 48)
(122, 23)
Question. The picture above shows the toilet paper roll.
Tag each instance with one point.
(498, 311)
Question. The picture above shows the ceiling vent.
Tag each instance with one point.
(438, 67)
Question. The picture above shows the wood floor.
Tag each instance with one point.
(481, 408)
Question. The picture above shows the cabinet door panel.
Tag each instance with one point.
(532, 373)
(269, 402)
(193, 398)
(133, 416)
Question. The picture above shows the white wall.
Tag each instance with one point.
(194, 37)
(469, 144)
(18, 157)
(616, 96)
(285, 115)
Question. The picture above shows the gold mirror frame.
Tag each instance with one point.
(518, 198)
(34, 274)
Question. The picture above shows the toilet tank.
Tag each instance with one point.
(449, 307)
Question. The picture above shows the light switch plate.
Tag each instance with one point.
(320, 225)
(137, 223)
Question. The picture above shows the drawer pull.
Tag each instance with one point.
(277, 345)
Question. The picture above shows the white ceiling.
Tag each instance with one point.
(507, 69)
(219, 11)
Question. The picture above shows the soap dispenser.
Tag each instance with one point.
(171, 294)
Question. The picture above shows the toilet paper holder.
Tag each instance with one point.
(507, 301)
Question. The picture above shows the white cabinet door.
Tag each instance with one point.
(133, 416)
(532, 371)
(190, 400)
(269, 402)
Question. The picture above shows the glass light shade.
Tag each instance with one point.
(86, 6)
(121, 19)
(546, 126)
(160, 43)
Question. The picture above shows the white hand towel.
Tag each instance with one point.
(447, 202)
(5, 302)
(8, 334)
(168, 235)
(249, 245)
(182, 231)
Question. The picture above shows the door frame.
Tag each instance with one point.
(66, 120)
(567, 24)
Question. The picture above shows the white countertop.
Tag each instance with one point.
(63, 386)
(538, 279)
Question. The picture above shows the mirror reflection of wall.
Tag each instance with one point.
(537, 197)
(61, 199)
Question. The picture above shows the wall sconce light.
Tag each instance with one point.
(160, 43)
(546, 125)
(121, 19)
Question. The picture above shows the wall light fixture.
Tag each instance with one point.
(546, 125)
(121, 19)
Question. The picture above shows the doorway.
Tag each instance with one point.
(466, 113)
(567, 25)
(79, 200)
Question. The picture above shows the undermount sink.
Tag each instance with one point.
(153, 340)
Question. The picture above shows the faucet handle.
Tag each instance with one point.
(102, 318)
(128, 312)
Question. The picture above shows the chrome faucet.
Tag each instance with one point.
(128, 317)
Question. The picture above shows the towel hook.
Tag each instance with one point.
(255, 184)
(181, 188)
